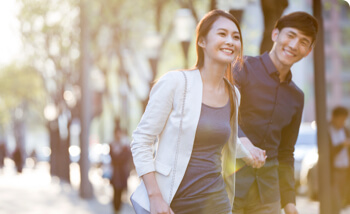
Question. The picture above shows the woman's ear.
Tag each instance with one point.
(201, 42)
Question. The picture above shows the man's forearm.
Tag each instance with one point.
(287, 183)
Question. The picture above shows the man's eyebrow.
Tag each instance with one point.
(305, 40)
(292, 32)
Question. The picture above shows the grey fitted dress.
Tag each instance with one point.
(202, 190)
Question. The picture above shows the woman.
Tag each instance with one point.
(194, 115)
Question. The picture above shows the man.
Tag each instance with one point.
(270, 115)
(339, 138)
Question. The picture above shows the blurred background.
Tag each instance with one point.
(71, 71)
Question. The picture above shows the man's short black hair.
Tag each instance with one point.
(340, 111)
(302, 21)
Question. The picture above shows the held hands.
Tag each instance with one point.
(159, 206)
(258, 155)
(290, 209)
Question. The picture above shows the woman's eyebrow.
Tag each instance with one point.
(224, 29)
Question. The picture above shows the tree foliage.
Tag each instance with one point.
(20, 84)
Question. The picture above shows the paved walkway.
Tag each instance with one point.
(35, 192)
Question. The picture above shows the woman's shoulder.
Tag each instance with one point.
(178, 73)
(175, 77)
(170, 76)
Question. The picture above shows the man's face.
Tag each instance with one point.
(339, 121)
(290, 45)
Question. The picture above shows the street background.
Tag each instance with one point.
(69, 69)
(35, 192)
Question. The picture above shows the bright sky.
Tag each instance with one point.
(10, 43)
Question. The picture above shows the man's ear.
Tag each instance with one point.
(274, 35)
(201, 42)
(309, 51)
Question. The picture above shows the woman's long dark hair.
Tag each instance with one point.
(202, 30)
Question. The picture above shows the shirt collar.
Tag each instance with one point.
(270, 67)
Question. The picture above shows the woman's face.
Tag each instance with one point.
(222, 43)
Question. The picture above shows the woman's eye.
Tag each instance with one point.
(236, 37)
(222, 34)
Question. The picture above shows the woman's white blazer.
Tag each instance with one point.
(161, 121)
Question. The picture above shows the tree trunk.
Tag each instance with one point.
(54, 136)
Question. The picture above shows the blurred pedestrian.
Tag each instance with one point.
(339, 138)
(33, 157)
(120, 159)
(193, 114)
(270, 115)
(18, 159)
(272, 11)
(2, 154)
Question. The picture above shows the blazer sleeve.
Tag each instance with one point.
(152, 123)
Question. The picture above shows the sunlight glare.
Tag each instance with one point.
(10, 43)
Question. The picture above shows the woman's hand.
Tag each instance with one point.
(157, 203)
(258, 155)
(159, 206)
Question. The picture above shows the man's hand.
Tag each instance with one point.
(290, 209)
(258, 155)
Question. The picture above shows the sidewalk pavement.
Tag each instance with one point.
(35, 192)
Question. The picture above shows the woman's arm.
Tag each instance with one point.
(157, 203)
(153, 121)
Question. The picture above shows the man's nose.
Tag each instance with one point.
(293, 43)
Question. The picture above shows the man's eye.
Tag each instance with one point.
(305, 43)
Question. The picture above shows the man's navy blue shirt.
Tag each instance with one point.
(269, 115)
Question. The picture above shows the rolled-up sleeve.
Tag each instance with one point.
(152, 123)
